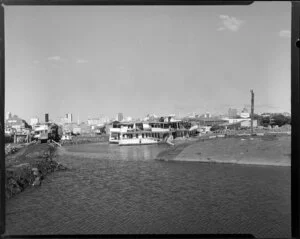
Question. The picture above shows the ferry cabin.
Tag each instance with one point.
(133, 131)
(153, 130)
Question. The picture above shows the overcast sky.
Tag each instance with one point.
(146, 59)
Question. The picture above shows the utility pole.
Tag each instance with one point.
(252, 110)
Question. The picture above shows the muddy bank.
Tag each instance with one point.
(259, 150)
(29, 166)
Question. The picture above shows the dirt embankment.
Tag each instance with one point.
(265, 150)
(29, 166)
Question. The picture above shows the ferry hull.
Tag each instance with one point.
(125, 142)
(113, 141)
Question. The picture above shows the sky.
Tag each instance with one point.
(101, 60)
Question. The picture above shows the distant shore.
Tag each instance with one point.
(272, 150)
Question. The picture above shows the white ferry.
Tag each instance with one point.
(144, 133)
(133, 134)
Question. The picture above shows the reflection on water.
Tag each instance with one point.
(112, 189)
(115, 152)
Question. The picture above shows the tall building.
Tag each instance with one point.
(46, 118)
(69, 118)
(119, 117)
(8, 115)
(232, 113)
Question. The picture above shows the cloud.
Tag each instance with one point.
(81, 61)
(285, 33)
(54, 58)
(35, 62)
(230, 23)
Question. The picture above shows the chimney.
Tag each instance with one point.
(46, 118)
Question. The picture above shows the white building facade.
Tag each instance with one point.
(34, 121)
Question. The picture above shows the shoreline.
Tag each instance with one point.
(29, 166)
(272, 150)
(269, 150)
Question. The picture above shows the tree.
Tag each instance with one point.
(265, 121)
(186, 124)
(161, 119)
(279, 120)
(216, 127)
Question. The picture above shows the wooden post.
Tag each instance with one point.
(252, 110)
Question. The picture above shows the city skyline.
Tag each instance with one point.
(102, 119)
(140, 60)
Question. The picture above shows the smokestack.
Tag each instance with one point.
(46, 118)
(252, 110)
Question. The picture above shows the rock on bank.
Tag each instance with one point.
(29, 166)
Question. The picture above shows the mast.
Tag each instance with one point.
(252, 110)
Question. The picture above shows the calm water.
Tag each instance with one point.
(112, 189)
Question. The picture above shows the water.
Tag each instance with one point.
(111, 189)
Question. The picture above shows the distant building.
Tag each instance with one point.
(83, 128)
(212, 121)
(207, 115)
(119, 117)
(150, 117)
(8, 115)
(94, 121)
(191, 115)
(238, 123)
(69, 118)
(232, 113)
(287, 114)
(233, 121)
(128, 119)
(16, 123)
(34, 121)
(76, 130)
(46, 118)
(247, 123)
(104, 120)
(265, 115)
(63, 120)
(245, 113)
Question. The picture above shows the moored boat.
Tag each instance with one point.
(140, 133)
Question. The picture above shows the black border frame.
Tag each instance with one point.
(295, 102)
(295, 98)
